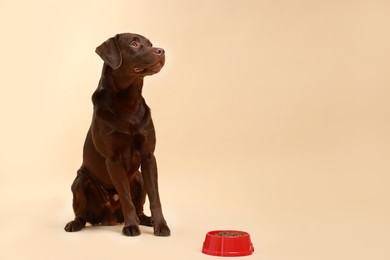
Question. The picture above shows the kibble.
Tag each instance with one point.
(230, 234)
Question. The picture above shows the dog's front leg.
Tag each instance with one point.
(119, 178)
(149, 175)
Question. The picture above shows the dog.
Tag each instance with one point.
(119, 167)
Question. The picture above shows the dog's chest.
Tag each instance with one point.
(130, 110)
(133, 115)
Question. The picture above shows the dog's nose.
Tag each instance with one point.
(159, 51)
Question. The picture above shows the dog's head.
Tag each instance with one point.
(132, 55)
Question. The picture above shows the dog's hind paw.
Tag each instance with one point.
(74, 225)
(145, 220)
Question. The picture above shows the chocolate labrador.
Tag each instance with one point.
(119, 167)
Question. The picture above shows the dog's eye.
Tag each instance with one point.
(134, 44)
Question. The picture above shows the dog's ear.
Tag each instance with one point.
(110, 53)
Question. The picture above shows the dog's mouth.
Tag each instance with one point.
(151, 69)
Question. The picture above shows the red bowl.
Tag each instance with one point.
(227, 243)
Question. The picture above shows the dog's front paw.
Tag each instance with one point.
(162, 230)
(131, 231)
(74, 225)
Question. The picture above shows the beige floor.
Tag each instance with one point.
(286, 218)
(272, 117)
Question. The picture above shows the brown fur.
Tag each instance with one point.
(119, 167)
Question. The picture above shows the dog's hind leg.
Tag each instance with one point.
(139, 196)
(79, 202)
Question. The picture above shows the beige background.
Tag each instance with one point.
(272, 117)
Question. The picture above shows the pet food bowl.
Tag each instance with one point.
(227, 243)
